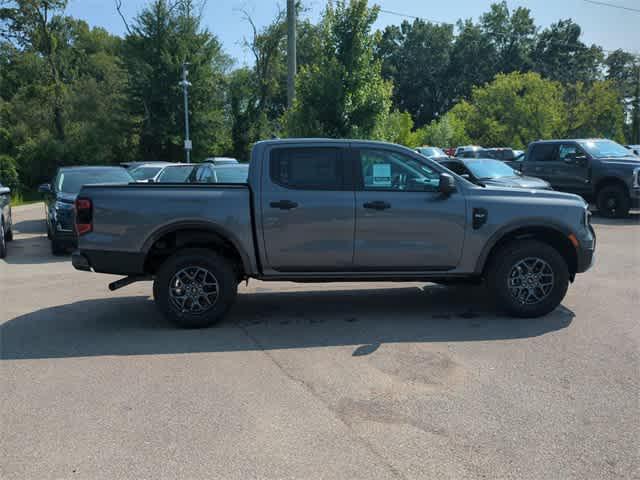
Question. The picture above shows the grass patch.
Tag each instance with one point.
(25, 198)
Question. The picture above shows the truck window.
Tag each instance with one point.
(568, 150)
(543, 152)
(314, 168)
(387, 170)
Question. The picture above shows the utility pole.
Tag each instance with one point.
(291, 52)
(185, 84)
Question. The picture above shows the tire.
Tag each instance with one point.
(613, 202)
(528, 261)
(57, 247)
(192, 266)
(3, 240)
(8, 236)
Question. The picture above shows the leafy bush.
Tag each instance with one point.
(9, 172)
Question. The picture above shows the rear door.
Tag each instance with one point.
(308, 209)
(403, 222)
(541, 161)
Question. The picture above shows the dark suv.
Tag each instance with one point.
(599, 170)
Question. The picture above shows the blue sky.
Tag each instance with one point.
(609, 27)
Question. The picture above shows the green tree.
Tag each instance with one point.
(8, 172)
(162, 38)
(623, 69)
(514, 110)
(512, 34)
(416, 57)
(595, 111)
(560, 55)
(343, 93)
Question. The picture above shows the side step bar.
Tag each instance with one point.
(123, 282)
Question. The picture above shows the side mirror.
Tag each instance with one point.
(447, 184)
(581, 160)
(45, 188)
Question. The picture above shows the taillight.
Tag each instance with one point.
(84, 216)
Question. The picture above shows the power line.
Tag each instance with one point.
(398, 14)
(606, 4)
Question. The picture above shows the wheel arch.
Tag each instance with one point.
(553, 235)
(610, 181)
(167, 239)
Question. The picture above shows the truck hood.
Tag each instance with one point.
(518, 182)
(534, 194)
(631, 160)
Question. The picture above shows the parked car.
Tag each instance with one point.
(503, 154)
(178, 173)
(148, 172)
(490, 172)
(221, 160)
(635, 149)
(317, 210)
(209, 173)
(450, 151)
(6, 220)
(470, 151)
(599, 170)
(131, 165)
(434, 153)
(60, 195)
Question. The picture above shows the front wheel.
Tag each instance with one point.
(195, 288)
(528, 278)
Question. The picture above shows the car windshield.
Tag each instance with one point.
(144, 173)
(232, 175)
(432, 152)
(604, 149)
(71, 181)
(488, 169)
(177, 174)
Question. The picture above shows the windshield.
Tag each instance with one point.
(432, 152)
(71, 181)
(177, 174)
(488, 169)
(144, 173)
(232, 175)
(604, 149)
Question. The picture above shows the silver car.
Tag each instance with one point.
(6, 223)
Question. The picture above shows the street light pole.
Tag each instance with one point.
(291, 52)
(185, 84)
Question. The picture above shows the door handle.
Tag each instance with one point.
(378, 205)
(283, 204)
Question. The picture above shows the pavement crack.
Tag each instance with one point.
(309, 388)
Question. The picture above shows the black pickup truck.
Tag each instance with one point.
(599, 170)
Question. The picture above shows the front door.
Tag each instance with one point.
(308, 210)
(402, 221)
(571, 169)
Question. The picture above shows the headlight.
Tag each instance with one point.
(63, 206)
(586, 218)
(636, 178)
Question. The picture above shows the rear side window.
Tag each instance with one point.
(314, 168)
(543, 152)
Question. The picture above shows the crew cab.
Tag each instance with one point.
(319, 210)
(599, 170)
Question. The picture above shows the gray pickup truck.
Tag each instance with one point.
(333, 210)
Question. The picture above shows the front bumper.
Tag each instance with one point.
(586, 251)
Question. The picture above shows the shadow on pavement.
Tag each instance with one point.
(31, 246)
(362, 318)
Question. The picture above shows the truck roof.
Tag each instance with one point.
(569, 140)
(278, 141)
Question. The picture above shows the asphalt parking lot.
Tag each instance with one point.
(317, 381)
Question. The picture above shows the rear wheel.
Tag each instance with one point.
(613, 202)
(528, 278)
(195, 288)
(8, 236)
